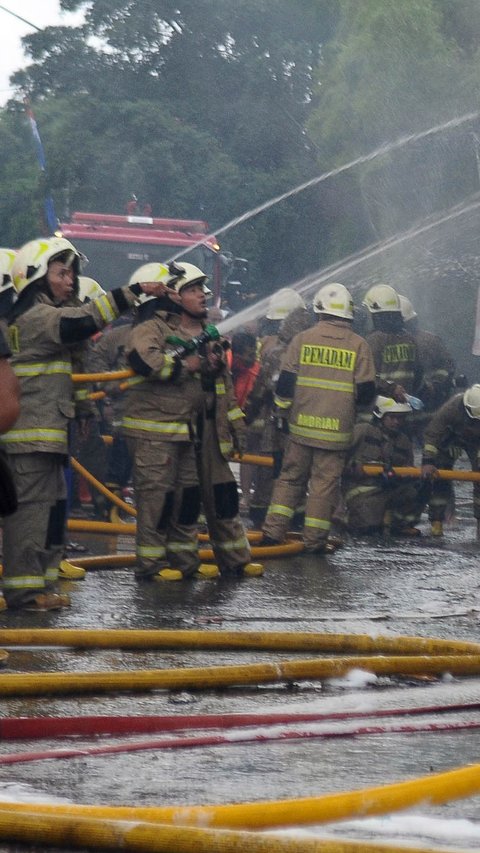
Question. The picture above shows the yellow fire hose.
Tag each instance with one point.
(441, 474)
(435, 789)
(105, 638)
(106, 834)
(101, 488)
(114, 376)
(129, 528)
(206, 555)
(204, 678)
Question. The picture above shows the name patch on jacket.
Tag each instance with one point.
(394, 353)
(341, 359)
(316, 422)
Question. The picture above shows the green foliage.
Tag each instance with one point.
(208, 108)
(397, 68)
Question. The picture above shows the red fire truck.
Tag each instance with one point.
(116, 245)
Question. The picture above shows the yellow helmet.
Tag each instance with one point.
(389, 406)
(184, 274)
(407, 309)
(283, 302)
(471, 401)
(7, 257)
(153, 271)
(89, 289)
(32, 260)
(381, 298)
(334, 299)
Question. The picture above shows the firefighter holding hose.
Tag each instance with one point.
(182, 424)
(454, 427)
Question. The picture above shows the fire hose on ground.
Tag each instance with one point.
(235, 738)
(65, 830)
(213, 677)
(108, 638)
(38, 728)
(436, 789)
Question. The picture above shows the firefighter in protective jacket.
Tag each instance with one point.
(182, 424)
(327, 370)
(43, 332)
(386, 502)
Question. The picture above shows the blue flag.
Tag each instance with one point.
(49, 208)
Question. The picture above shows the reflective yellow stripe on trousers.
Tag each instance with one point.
(166, 428)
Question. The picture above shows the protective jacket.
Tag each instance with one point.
(373, 445)
(42, 340)
(397, 361)
(327, 369)
(451, 427)
(438, 369)
(449, 431)
(108, 353)
(259, 408)
(164, 400)
(369, 498)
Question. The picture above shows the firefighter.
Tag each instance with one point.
(395, 351)
(109, 354)
(259, 411)
(280, 305)
(43, 333)
(455, 426)
(86, 440)
(7, 291)
(327, 371)
(384, 502)
(437, 387)
(9, 412)
(182, 423)
(437, 364)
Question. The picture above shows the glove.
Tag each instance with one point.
(280, 424)
(429, 472)
(240, 442)
(388, 476)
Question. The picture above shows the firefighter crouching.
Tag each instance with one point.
(455, 427)
(182, 422)
(327, 371)
(385, 503)
(43, 333)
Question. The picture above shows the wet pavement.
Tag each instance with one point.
(423, 588)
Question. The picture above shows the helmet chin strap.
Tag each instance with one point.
(197, 315)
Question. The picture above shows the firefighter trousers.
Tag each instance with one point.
(219, 496)
(367, 505)
(34, 536)
(168, 504)
(305, 467)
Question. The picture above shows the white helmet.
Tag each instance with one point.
(32, 260)
(389, 406)
(334, 299)
(407, 309)
(471, 401)
(381, 298)
(183, 274)
(153, 271)
(283, 302)
(7, 257)
(89, 289)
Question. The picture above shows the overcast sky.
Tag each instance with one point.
(42, 13)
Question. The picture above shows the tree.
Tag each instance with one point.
(395, 69)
